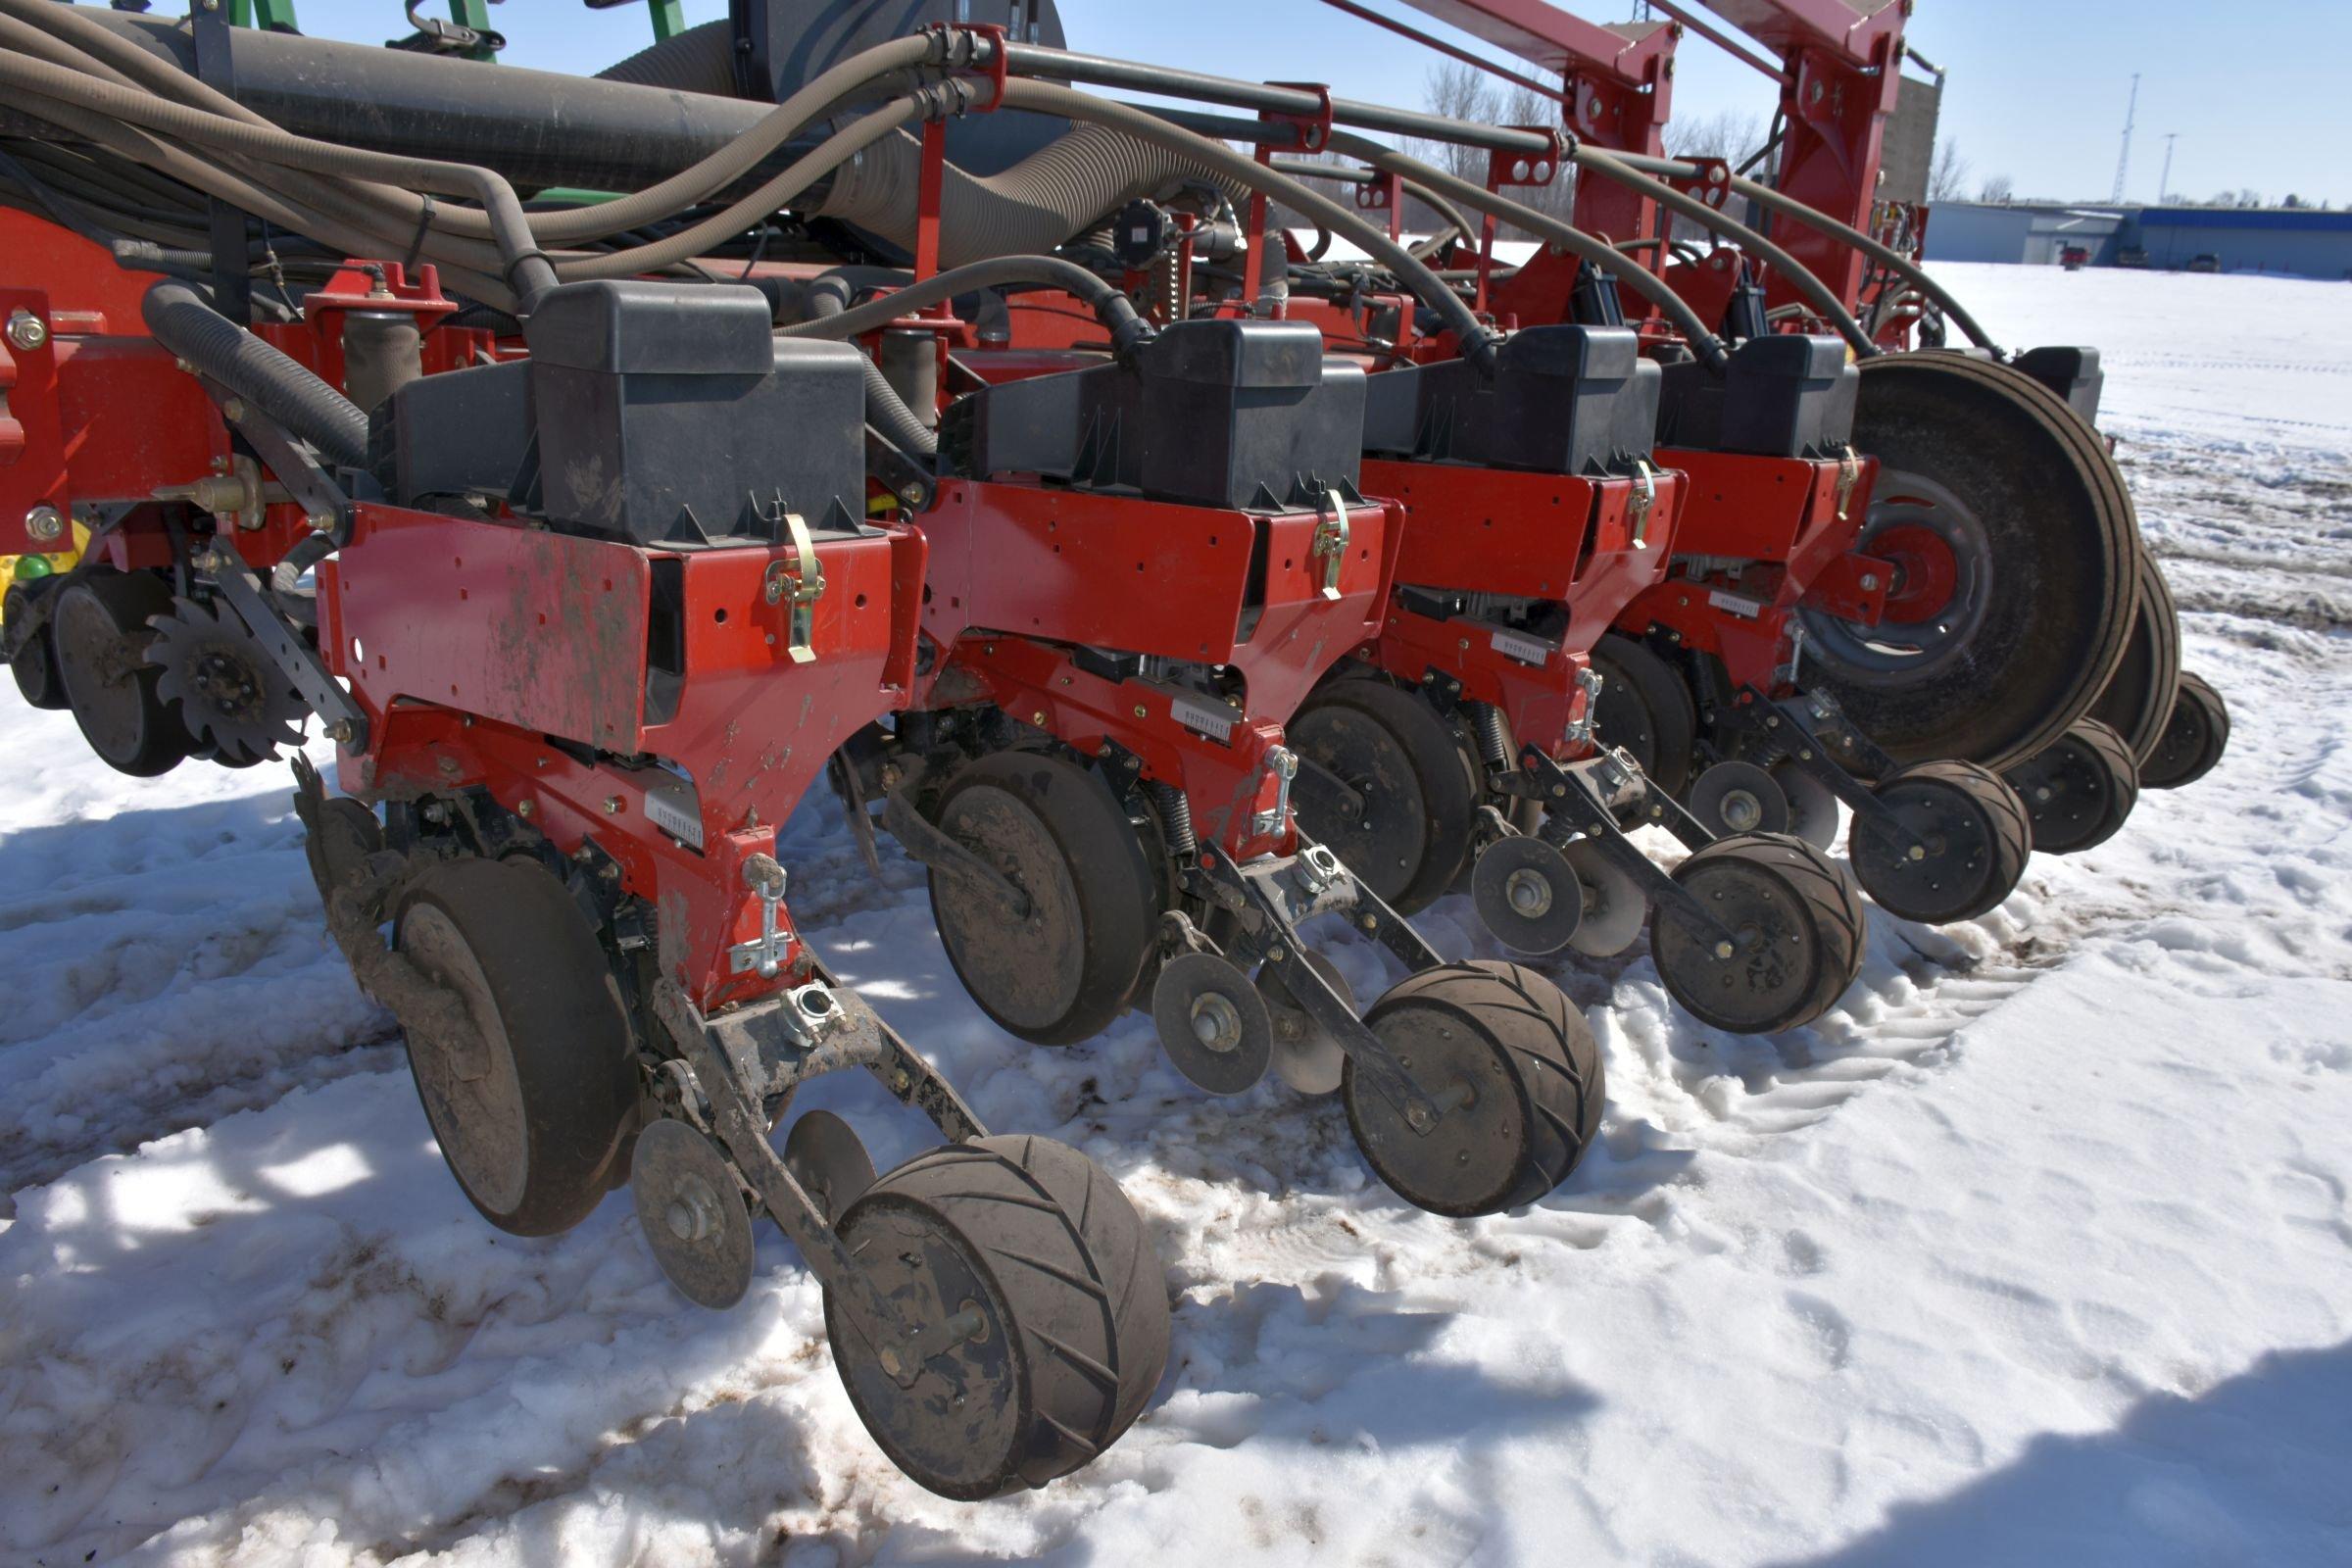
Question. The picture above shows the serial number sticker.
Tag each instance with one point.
(1525, 649)
(1750, 608)
(673, 818)
(1212, 719)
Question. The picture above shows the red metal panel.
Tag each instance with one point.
(1487, 530)
(33, 458)
(133, 420)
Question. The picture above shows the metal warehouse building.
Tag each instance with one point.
(2295, 241)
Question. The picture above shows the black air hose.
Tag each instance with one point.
(1114, 310)
(1060, 190)
(699, 60)
(183, 323)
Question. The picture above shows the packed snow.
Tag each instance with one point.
(2037, 1248)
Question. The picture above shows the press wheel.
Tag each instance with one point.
(1646, 707)
(1515, 1071)
(2015, 547)
(2139, 700)
(1397, 794)
(529, 1082)
(1795, 919)
(1973, 835)
(99, 630)
(1063, 1308)
(1053, 830)
(2195, 735)
(2078, 790)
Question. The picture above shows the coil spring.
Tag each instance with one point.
(1493, 738)
(1175, 817)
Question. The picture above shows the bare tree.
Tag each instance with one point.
(1947, 177)
(2000, 188)
(1725, 134)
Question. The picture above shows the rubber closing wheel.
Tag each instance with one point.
(2016, 550)
(2139, 694)
(2078, 790)
(1738, 797)
(1794, 923)
(35, 665)
(99, 629)
(528, 1079)
(1646, 707)
(1515, 1073)
(1054, 831)
(1385, 785)
(1972, 837)
(1038, 1251)
(2194, 737)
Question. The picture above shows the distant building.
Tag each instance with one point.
(2294, 241)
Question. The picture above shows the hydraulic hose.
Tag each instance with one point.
(185, 323)
(1789, 207)
(1128, 330)
(1586, 247)
(1818, 294)
(1477, 344)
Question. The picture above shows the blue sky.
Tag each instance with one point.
(2037, 91)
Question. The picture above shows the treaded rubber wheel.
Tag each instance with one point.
(1797, 921)
(99, 630)
(1040, 1244)
(1535, 1076)
(1418, 782)
(2078, 790)
(531, 1102)
(1645, 707)
(2195, 735)
(35, 663)
(2139, 700)
(1974, 828)
(2022, 640)
(1055, 831)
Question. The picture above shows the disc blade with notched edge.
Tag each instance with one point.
(692, 1212)
(1212, 1024)
(1527, 894)
(1614, 904)
(829, 1161)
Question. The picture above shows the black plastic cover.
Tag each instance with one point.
(669, 413)
(1573, 400)
(2073, 373)
(1781, 396)
(1242, 414)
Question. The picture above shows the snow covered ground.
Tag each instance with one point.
(2039, 1248)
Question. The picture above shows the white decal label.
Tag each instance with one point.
(1750, 608)
(1525, 649)
(1212, 719)
(672, 817)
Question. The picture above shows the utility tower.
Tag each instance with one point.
(2125, 162)
(2163, 186)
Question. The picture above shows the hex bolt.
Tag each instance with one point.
(46, 524)
(27, 330)
(525, 809)
(612, 805)
(1870, 582)
(1723, 949)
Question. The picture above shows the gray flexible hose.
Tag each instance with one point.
(1114, 310)
(701, 59)
(185, 323)
(828, 297)
(1586, 247)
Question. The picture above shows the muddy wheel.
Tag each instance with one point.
(1054, 831)
(1645, 707)
(34, 665)
(1795, 919)
(1398, 796)
(2014, 547)
(2078, 790)
(1064, 1306)
(1974, 835)
(99, 628)
(2139, 694)
(526, 1068)
(1515, 1066)
(2195, 735)
(1738, 797)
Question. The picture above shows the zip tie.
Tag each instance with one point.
(425, 223)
